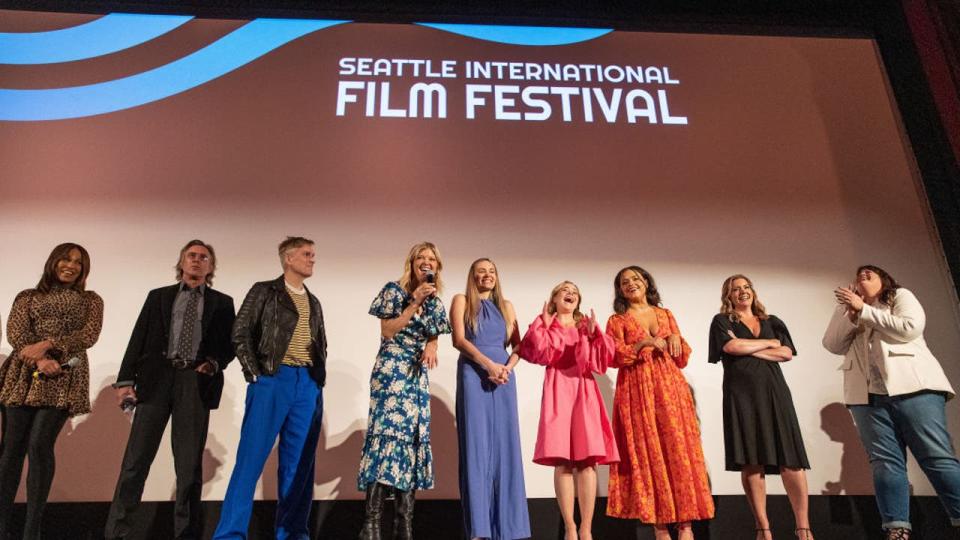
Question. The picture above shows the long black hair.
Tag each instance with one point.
(49, 279)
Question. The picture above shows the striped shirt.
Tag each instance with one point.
(298, 351)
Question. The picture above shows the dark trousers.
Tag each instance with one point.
(28, 431)
(180, 401)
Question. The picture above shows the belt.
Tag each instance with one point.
(179, 363)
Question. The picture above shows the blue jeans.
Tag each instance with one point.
(888, 426)
(289, 404)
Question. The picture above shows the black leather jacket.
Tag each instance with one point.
(264, 326)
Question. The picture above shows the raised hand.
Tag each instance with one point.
(592, 323)
(546, 316)
(849, 297)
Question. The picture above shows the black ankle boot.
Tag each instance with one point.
(403, 517)
(373, 509)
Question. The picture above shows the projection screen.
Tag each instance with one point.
(559, 153)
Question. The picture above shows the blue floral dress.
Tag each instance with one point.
(396, 449)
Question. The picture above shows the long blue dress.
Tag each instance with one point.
(396, 448)
(492, 493)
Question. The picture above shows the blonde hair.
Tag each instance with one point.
(552, 308)
(472, 308)
(408, 281)
(726, 305)
(289, 244)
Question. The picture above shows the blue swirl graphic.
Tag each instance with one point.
(108, 34)
(230, 52)
(522, 35)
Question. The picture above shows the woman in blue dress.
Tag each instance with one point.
(396, 450)
(492, 493)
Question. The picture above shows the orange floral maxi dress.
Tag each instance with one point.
(661, 477)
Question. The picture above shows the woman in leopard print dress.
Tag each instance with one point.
(49, 326)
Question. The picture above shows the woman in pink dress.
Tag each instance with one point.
(574, 434)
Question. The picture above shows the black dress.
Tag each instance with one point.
(759, 422)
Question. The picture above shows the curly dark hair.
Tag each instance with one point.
(620, 303)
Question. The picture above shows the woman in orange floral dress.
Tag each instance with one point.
(661, 477)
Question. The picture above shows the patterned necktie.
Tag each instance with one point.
(189, 321)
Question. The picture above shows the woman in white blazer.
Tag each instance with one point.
(895, 389)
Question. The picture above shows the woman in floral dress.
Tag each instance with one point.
(396, 449)
(661, 477)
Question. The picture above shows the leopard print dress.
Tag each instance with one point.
(71, 320)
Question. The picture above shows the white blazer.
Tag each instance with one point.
(908, 365)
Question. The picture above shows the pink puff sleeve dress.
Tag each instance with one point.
(574, 428)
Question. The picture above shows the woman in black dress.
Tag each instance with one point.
(760, 429)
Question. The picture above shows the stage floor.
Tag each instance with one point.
(832, 518)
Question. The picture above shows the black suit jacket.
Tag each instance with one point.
(146, 362)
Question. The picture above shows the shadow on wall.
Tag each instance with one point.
(338, 454)
(607, 391)
(87, 468)
(446, 447)
(856, 477)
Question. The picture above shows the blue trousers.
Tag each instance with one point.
(888, 426)
(288, 404)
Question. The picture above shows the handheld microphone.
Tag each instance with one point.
(37, 374)
(430, 277)
(129, 404)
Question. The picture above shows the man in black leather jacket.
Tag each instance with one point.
(280, 342)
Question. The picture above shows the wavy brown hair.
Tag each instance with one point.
(213, 260)
(620, 302)
(726, 305)
(888, 285)
(408, 281)
(49, 279)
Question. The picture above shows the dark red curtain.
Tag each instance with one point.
(935, 25)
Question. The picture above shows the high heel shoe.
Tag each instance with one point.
(803, 533)
(762, 533)
(898, 534)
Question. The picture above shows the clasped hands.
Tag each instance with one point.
(848, 296)
(497, 373)
(672, 345)
(35, 354)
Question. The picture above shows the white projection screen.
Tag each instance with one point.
(559, 153)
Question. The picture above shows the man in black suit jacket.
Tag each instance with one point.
(173, 368)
